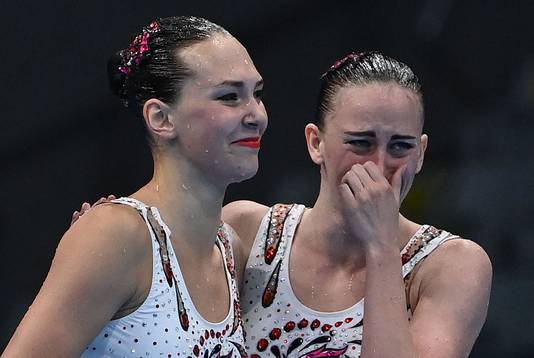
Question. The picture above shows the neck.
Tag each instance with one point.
(189, 201)
(324, 231)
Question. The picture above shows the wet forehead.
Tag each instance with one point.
(376, 106)
(219, 58)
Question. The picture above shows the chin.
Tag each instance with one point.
(243, 173)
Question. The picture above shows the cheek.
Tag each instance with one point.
(407, 179)
(204, 129)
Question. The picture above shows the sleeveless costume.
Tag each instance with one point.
(167, 323)
(277, 323)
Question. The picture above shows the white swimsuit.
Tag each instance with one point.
(167, 323)
(277, 323)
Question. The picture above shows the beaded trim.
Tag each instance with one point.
(418, 242)
(274, 230)
(161, 236)
(223, 240)
(272, 286)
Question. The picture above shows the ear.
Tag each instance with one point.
(422, 149)
(314, 143)
(159, 120)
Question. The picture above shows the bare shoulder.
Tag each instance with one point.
(108, 231)
(461, 259)
(93, 274)
(240, 212)
(111, 223)
(452, 298)
(244, 216)
(104, 247)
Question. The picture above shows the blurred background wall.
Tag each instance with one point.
(65, 139)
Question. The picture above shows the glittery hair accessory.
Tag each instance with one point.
(138, 49)
(339, 63)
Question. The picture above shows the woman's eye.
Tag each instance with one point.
(228, 97)
(400, 147)
(360, 144)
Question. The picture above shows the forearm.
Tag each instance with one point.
(386, 327)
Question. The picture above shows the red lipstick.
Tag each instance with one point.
(253, 142)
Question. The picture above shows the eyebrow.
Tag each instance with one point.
(398, 136)
(373, 135)
(237, 84)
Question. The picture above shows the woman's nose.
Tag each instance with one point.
(385, 163)
(256, 116)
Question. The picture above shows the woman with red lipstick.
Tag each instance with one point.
(154, 273)
(426, 290)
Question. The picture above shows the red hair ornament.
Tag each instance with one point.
(138, 49)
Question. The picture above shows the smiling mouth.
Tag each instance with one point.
(249, 142)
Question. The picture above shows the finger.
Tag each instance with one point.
(374, 172)
(363, 175)
(347, 195)
(352, 180)
(100, 201)
(85, 206)
(396, 182)
(75, 217)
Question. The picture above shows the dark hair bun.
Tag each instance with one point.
(115, 77)
(149, 68)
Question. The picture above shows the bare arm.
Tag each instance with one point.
(92, 276)
(451, 304)
(244, 217)
(453, 293)
(453, 300)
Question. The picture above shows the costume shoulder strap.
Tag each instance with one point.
(156, 226)
(422, 244)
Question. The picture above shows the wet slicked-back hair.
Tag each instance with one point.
(157, 72)
(359, 69)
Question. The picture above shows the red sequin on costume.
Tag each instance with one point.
(303, 323)
(289, 326)
(275, 333)
(262, 344)
(315, 324)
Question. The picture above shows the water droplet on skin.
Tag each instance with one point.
(188, 126)
(206, 151)
(185, 187)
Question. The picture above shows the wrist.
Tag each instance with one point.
(379, 251)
